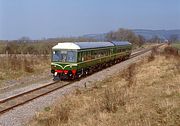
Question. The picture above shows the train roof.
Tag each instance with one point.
(82, 45)
(89, 45)
(121, 43)
(86, 45)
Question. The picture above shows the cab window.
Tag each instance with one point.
(64, 56)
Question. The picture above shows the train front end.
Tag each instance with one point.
(64, 61)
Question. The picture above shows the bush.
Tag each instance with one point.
(113, 98)
(28, 66)
(171, 51)
(130, 74)
(27, 48)
(154, 51)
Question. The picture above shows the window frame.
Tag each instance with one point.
(52, 60)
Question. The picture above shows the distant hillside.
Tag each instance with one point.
(147, 34)
(163, 34)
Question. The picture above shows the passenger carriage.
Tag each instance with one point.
(72, 60)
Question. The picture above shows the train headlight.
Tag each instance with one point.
(55, 73)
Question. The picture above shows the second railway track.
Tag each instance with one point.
(22, 98)
(11, 102)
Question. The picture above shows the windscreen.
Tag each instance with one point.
(64, 56)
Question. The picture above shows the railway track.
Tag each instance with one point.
(11, 102)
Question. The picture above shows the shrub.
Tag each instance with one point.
(113, 99)
(171, 51)
(28, 66)
(129, 75)
(153, 53)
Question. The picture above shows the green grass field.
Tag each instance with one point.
(176, 45)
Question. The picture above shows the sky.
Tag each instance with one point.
(39, 19)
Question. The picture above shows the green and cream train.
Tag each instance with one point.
(72, 60)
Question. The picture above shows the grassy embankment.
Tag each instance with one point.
(176, 45)
(145, 94)
(15, 66)
(23, 59)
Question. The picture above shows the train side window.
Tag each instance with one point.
(88, 55)
(117, 50)
(101, 53)
(79, 56)
(96, 54)
(83, 56)
(92, 54)
(106, 52)
(121, 50)
(111, 51)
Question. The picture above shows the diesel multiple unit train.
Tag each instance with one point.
(71, 60)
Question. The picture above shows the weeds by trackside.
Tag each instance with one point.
(15, 66)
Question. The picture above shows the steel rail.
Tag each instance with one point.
(20, 99)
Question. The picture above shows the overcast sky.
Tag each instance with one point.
(64, 18)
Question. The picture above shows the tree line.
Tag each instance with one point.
(37, 47)
(27, 46)
(126, 35)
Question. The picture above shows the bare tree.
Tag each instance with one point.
(173, 38)
(155, 39)
(24, 39)
(142, 40)
(124, 35)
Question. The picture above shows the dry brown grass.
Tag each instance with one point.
(130, 75)
(147, 94)
(15, 66)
